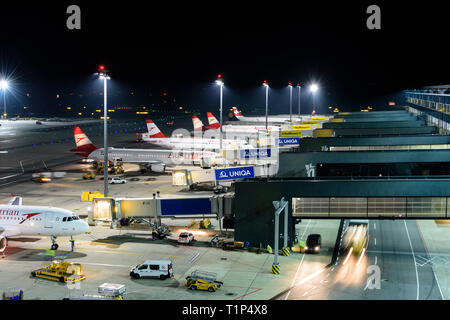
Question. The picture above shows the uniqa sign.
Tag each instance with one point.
(288, 141)
(235, 173)
(255, 153)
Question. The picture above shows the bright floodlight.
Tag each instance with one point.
(3, 84)
(265, 83)
(219, 82)
(313, 88)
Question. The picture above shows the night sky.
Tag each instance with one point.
(179, 48)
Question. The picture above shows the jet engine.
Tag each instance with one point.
(3, 243)
(160, 168)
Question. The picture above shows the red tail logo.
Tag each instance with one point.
(153, 130)
(84, 146)
(213, 123)
(198, 124)
(29, 216)
(236, 112)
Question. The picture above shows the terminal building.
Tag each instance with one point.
(368, 165)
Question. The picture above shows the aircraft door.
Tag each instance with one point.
(49, 220)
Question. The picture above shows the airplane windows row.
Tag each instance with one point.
(70, 218)
(17, 218)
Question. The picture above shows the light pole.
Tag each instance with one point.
(265, 84)
(299, 88)
(290, 101)
(103, 74)
(313, 88)
(219, 82)
(4, 86)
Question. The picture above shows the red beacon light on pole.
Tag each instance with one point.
(101, 68)
(219, 76)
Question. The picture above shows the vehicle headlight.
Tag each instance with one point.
(306, 247)
(316, 248)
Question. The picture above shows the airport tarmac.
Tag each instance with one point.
(107, 255)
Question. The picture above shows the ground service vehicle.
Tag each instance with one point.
(185, 237)
(313, 243)
(356, 236)
(202, 280)
(62, 271)
(89, 175)
(107, 291)
(117, 180)
(161, 269)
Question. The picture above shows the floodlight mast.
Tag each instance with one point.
(265, 84)
(219, 82)
(103, 75)
(4, 86)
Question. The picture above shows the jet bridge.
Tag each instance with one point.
(114, 209)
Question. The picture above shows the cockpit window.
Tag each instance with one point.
(64, 219)
(69, 219)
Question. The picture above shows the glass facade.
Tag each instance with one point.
(392, 148)
(372, 207)
(431, 106)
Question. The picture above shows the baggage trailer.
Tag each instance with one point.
(203, 280)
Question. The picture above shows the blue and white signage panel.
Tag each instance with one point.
(235, 173)
(285, 141)
(186, 206)
(255, 153)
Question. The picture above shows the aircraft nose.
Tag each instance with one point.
(84, 227)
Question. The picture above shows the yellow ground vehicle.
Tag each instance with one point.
(89, 175)
(202, 280)
(356, 236)
(112, 168)
(90, 195)
(100, 168)
(62, 271)
(205, 223)
(118, 169)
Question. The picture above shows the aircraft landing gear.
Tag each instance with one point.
(54, 244)
(72, 243)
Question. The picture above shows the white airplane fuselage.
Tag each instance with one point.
(195, 143)
(274, 119)
(166, 157)
(41, 221)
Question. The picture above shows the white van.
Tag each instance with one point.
(161, 269)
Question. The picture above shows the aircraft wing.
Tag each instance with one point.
(9, 231)
(15, 201)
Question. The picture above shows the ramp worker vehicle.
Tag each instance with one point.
(62, 271)
(161, 269)
(202, 280)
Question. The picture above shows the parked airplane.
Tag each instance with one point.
(198, 125)
(19, 220)
(240, 128)
(155, 136)
(155, 160)
(282, 119)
